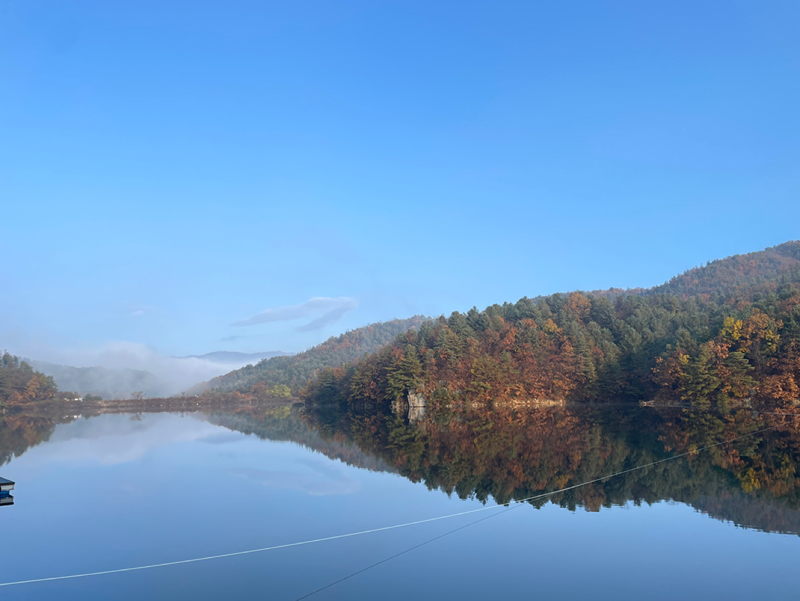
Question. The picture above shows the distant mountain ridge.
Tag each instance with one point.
(295, 371)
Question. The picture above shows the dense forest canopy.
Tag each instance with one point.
(717, 335)
(291, 373)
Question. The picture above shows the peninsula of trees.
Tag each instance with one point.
(715, 336)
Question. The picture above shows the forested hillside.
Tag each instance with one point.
(20, 383)
(291, 373)
(739, 276)
(715, 335)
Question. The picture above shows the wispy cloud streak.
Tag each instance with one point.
(326, 311)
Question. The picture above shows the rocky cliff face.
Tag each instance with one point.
(416, 399)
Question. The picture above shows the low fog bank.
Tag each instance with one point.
(123, 369)
(97, 380)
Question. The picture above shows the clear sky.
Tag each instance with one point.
(168, 169)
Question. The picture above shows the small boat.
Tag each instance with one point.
(6, 486)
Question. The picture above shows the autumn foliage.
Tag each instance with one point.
(20, 383)
(705, 349)
(512, 454)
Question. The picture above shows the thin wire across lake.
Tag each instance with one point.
(384, 528)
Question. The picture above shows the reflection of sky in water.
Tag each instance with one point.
(109, 492)
(113, 439)
(315, 477)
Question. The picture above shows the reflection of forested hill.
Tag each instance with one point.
(758, 513)
(18, 433)
(284, 424)
(512, 455)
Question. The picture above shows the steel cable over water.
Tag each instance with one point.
(384, 528)
(417, 546)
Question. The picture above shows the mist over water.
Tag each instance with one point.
(127, 367)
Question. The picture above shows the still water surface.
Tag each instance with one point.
(115, 491)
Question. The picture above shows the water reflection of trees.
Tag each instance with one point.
(284, 424)
(18, 433)
(510, 455)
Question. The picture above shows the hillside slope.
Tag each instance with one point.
(736, 276)
(295, 371)
(739, 276)
(716, 335)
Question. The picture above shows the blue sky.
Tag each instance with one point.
(168, 169)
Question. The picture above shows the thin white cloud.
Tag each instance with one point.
(232, 338)
(317, 478)
(326, 311)
(138, 313)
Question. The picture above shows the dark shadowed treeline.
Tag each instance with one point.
(730, 332)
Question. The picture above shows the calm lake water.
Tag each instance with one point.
(117, 491)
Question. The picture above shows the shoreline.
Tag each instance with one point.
(154, 405)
